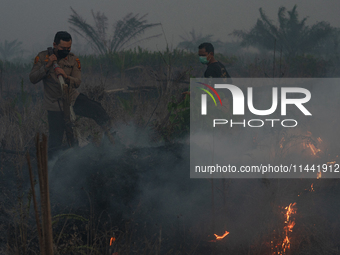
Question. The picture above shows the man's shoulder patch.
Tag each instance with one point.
(36, 60)
(78, 62)
(42, 55)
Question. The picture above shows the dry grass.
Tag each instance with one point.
(21, 120)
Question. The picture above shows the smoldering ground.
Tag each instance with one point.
(149, 185)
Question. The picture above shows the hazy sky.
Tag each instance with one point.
(35, 22)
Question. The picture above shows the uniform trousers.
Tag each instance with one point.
(84, 107)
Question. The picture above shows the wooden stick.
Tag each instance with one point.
(40, 237)
(49, 233)
(42, 192)
(67, 118)
(212, 205)
(114, 90)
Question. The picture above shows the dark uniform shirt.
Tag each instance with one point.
(216, 70)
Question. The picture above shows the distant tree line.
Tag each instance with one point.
(290, 35)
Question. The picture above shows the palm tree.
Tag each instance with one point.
(191, 41)
(125, 31)
(328, 47)
(11, 49)
(294, 37)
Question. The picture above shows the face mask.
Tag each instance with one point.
(63, 53)
(204, 60)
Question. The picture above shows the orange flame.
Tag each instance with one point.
(289, 227)
(113, 239)
(284, 244)
(311, 145)
(311, 187)
(290, 210)
(313, 148)
(281, 142)
(318, 175)
(221, 237)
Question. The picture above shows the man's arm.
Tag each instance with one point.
(39, 70)
(74, 79)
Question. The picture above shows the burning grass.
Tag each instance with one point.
(138, 199)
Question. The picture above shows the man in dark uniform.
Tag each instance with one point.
(70, 69)
(215, 68)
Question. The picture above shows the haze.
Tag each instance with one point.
(35, 22)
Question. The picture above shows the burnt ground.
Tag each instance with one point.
(150, 188)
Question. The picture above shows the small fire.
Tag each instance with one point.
(331, 163)
(318, 175)
(311, 188)
(290, 210)
(289, 225)
(311, 144)
(221, 237)
(112, 240)
(285, 244)
(281, 142)
(313, 148)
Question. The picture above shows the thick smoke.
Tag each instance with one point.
(149, 184)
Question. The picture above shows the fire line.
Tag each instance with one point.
(221, 237)
(112, 240)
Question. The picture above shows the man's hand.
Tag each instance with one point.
(62, 72)
(51, 58)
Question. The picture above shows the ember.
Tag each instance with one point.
(318, 176)
(221, 237)
(313, 148)
(289, 225)
(281, 142)
(112, 240)
(312, 143)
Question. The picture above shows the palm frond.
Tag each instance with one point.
(124, 31)
(82, 28)
(192, 41)
(291, 34)
(9, 50)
